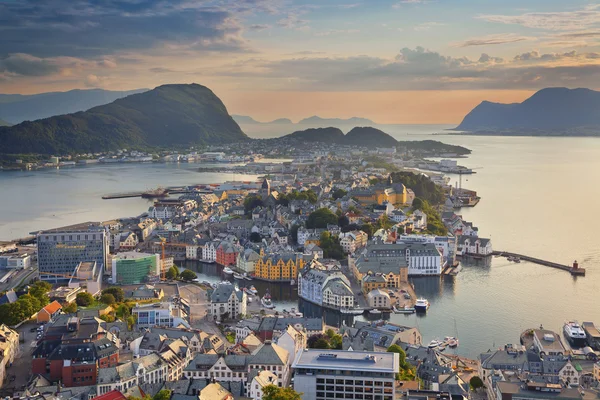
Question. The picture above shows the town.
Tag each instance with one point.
(105, 309)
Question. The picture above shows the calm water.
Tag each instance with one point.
(539, 197)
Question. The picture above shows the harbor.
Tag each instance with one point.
(574, 270)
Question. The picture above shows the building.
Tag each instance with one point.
(73, 350)
(209, 251)
(15, 261)
(292, 340)
(246, 261)
(47, 313)
(227, 253)
(446, 245)
(88, 276)
(270, 328)
(64, 294)
(381, 335)
(330, 374)
(258, 382)
(353, 240)
(378, 298)
(164, 314)
(474, 246)
(214, 391)
(548, 343)
(133, 268)
(390, 192)
(150, 369)
(278, 267)
(534, 391)
(327, 288)
(9, 349)
(227, 302)
(61, 250)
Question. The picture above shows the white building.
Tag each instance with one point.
(19, 261)
(329, 288)
(420, 258)
(209, 251)
(246, 260)
(159, 314)
(419, 219)
(348, 244)
(330, 374)
(293, 341)
(192, 251)
(379, 299)
(227, 302)
(148, 369)
(163, 213)
(256, 385)
(473, 245)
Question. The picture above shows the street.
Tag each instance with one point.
(19, 373)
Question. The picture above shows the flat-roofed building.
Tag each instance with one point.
(60, 250)
(331, 374)
(548, 343)
(132, 268)
(87, 275)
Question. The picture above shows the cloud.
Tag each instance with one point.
(292, 21)
(486, 58)
(160, 70)
(493, 40)
(535, 55)
(425, 26)
(259, 27)
(28, 65)
(566, 20)
(405, 2)
(336, 32)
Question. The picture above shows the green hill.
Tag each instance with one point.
(369, 137)
(169, 115)
(324, 135)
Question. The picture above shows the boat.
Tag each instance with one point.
(575, 334)
(451, 341)
(352, 311)
(246, 277)
(292, 282)
(237, 276)
(403, 310)
(253, 290)
(196, 280)
(266, 301)
(225, 283)
(434, 344)
(205, 261)
(374, 311)
(422, 305)
(228, 270)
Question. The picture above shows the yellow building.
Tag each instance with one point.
(394, 193)
(278, 267)
(378, 274)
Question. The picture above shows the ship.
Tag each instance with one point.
(575, 334)
(422, 305)
(266, 301)
(154, 193)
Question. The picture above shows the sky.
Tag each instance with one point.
(394, 61)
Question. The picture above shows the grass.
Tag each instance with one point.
(230, 336)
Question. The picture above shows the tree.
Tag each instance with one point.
(331, 246)
(321, 218)
(164, 394)
(107, 318)
(255, 237)
(272, 392)
(343, 221)
(71, 308)
(407, 371)
(108, 299)
(252, 201)
(338, 194)
(40, 290)
(117, 292)
(84, 299)
(188, 275)
(369, 229)
(383, 223)
(172, 273)
(130, 322)
(476, 383)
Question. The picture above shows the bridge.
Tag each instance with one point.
(574, 269)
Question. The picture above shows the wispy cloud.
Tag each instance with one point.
(426, 26)
(493, 40)
(259, 27)
(337, 32)
(565, 20)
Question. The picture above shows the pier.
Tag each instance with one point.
(574, 269)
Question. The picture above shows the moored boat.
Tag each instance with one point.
(253, 290)
(422, 305)
(266, 301)
(451, 341)
(237, 276)
(575, 334)
(434, 344)
(403, 310)
(228, 270)
(374, 311)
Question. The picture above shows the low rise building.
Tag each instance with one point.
(246, 260)
(150, 369)
(258, 383)
(378, 298)
(88, 276)
(329, 374)
(328, 288)
(15, 261)
(64, 294)
(164, 314)
(278, 267)
(47, 313)
(474, 246)
(227, 302)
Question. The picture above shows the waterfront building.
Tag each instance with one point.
(159, 314)
(328, 288)
(227, 253)
(209, 251)
(227, 302)
(133, 268)
(378, 298)
(382, 334)
(548, 343)
(474, 246)
(246, 261)
(447, 245)
(15, 261)
(192, 251)
(278, 267)
(61, 250)
(330, 374)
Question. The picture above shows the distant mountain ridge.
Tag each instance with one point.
(169, 115)
(16, 108)
(4, 123)
(315, 121)
(358, 136)
(549, 111)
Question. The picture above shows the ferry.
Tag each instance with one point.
(403, 310)
(434, 344)
(228, 270)
(422, 305)
(375, 311)
(352, 311)
(575, 334)
(266, 301)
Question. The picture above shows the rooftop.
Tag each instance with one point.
(348, 360)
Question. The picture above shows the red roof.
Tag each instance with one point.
(53, 307)
(112, 395)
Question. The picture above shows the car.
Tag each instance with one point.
(406, 296)
(33, 330)
(403, 291)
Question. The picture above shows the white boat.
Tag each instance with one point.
(353, 311)
(266, 301)
(575, 334)
(253, 290)
(225, 283)
(451, 341)
(403, 310)
(422, 305)
(292, 282)
(237, 276)
(228, 270)
(246, 277)
(434, 344)
(374, 311)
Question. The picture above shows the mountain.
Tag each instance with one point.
(324, 135)
(315, 120)
(169, 115)
(17, 108)
(359, 136)
(244, 119)
(4, 123)
(367, 136)
(549, 111)
(281, 121)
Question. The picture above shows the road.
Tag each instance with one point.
(20, 371)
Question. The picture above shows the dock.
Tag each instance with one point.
(575, 270)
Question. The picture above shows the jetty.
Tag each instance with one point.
(574, 269)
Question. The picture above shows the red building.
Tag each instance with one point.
(227, 253)
(72, 351)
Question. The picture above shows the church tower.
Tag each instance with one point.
(265, 189)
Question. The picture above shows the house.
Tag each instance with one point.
(259, 380)
(227, 253)
(293, 340)
(214, 391)
(328, 288)
(246, 260)
(47, 313)
(148, 369)
(209, 251)
(313, 251)
(127, 241)
(474, 246)
(378, 298)
(353, 218)
(160, 314)
(419, 220)
(9, 349)
(398, 216)
(353, 240)
(227, 302)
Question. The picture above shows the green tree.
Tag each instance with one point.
(321, 218)
(368, 228)
(40, 291)
(251, 202)
(331, 246)
(476, 383)
(336, 342)
(71, 308)
(272, 392)
(294, 233)
(164, 394)
(107, 318)
(130, 322)
(343, 221)
(407, 371)
(108, 299)
(188, 275)
(255, 237)
(84, 299)
(117, 292)
(338, 194)
(330, 333)
(383, 223)
(172, 273)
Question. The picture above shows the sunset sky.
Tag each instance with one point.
(396, 61)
